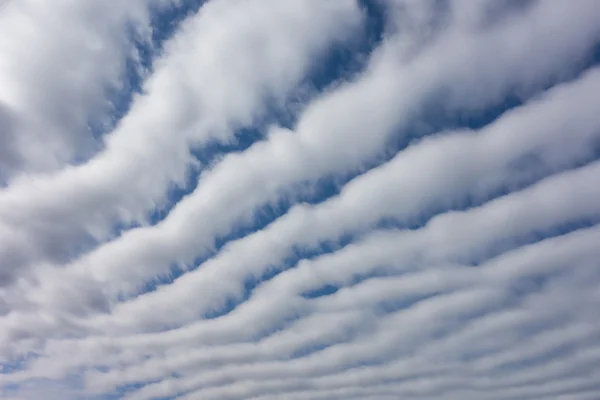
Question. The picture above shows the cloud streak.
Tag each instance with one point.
(375, 200)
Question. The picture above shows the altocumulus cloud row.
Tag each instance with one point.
(300, 199)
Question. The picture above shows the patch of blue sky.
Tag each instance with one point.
(17, 363)
(468, 201)
(499, 247)
(340, 62)
(436, 117)
(305, 192)
(164, 22)
(268, 213)
(124, 390)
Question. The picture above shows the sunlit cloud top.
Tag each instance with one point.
(299, 199)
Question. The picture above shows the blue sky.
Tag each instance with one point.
(310, 199)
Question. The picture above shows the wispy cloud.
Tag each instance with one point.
(305, 199)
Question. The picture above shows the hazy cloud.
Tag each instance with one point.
(309, 199)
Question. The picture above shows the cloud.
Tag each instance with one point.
(111, 188)
(423, 225)
(55, 76)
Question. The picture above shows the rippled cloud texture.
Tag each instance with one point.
(299, 199)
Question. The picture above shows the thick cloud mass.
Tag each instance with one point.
(300, 199)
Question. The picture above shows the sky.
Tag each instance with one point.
(299, 199)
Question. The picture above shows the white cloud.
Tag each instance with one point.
(59, 59)
(185, 105)
(470, 270)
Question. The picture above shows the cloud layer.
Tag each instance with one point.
(309, 199)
